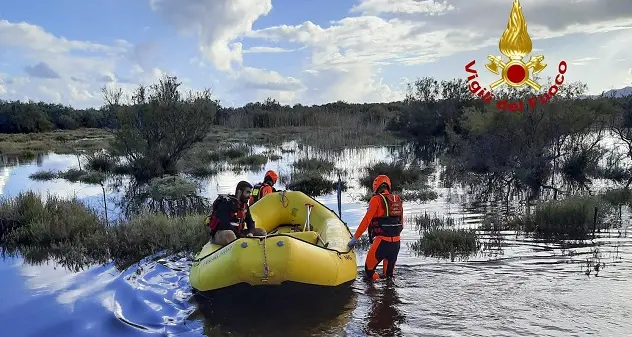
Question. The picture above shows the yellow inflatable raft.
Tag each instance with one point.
(306, 244)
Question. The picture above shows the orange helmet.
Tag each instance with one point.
(379, 180)
(273, 176)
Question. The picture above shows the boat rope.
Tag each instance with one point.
(266, 270)
(284, 200)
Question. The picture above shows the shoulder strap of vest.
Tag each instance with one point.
(220, 199)
(385, 204)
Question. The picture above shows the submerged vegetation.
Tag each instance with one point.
(408, 181)
(575, 218)
(439, 237)
(59, 141)
(550, 160)
(74, 234)
(313, 176)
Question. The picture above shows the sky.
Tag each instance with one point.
(295, 51)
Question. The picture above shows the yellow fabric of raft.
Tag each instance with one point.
(288, 253)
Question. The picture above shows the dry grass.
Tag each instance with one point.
(59, 141)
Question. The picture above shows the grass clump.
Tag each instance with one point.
(311, 183)
(448, 243)
(101, 162)
(72, 175)
(314, 165)
(424, 194)
(251, 161)
(618, 197)
(231, 153)
(409, 182)
(44, 176)
(272, 155)
(74, 235)
(569, 219)
(401, 176)
(60, 228)
(439, 238)
(59, 141)
(151, 233)
(424, 223)
(174, 196)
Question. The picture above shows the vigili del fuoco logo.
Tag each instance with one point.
(515, 44)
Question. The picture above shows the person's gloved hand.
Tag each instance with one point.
(352, 242)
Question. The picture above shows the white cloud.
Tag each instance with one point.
(34, 38)
(259, 84)
(69, 71)
(373, 40)
(431, 7)
(358, 84)
(348, 51)
(347, 59)
(217, 23)
(231, 20)
(583, 61)
(254, 50)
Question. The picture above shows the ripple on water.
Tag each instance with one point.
(527, 288)
(155, 296)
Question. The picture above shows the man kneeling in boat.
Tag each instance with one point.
(229, 215)
(385, 222)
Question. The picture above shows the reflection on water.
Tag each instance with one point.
(529, 288)
(529, 292)
(384, 314)
(288, 311)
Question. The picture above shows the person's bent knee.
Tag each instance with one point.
(224, 237)
(259, 232)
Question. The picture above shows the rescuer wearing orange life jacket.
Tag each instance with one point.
(385, 221)
(266, 187)
(230, 216)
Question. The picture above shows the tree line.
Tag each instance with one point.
(552, 147)
(34, 117)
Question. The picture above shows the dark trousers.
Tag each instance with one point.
(383, 249)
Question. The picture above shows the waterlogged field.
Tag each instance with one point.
(513, 285)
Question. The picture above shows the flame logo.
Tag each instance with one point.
(515, 44)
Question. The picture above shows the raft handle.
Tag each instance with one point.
(325, 244)
(307, 225)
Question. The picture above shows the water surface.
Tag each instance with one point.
(527, 288)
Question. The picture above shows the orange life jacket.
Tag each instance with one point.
(256, 192)
(390, 224)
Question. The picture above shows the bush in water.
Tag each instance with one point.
(572, 218)
(74, 235)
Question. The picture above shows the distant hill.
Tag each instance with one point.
(627, 91)
(622, 92)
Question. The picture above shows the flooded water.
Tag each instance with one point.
(527, 288)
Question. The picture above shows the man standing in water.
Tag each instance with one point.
(385, 221)
(230, 214)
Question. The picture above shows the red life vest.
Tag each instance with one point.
(390, 224)
(213, 221)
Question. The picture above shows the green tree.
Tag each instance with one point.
(159, 126)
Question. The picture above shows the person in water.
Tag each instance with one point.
(384, 220)
(230, 216)
(260, 190)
